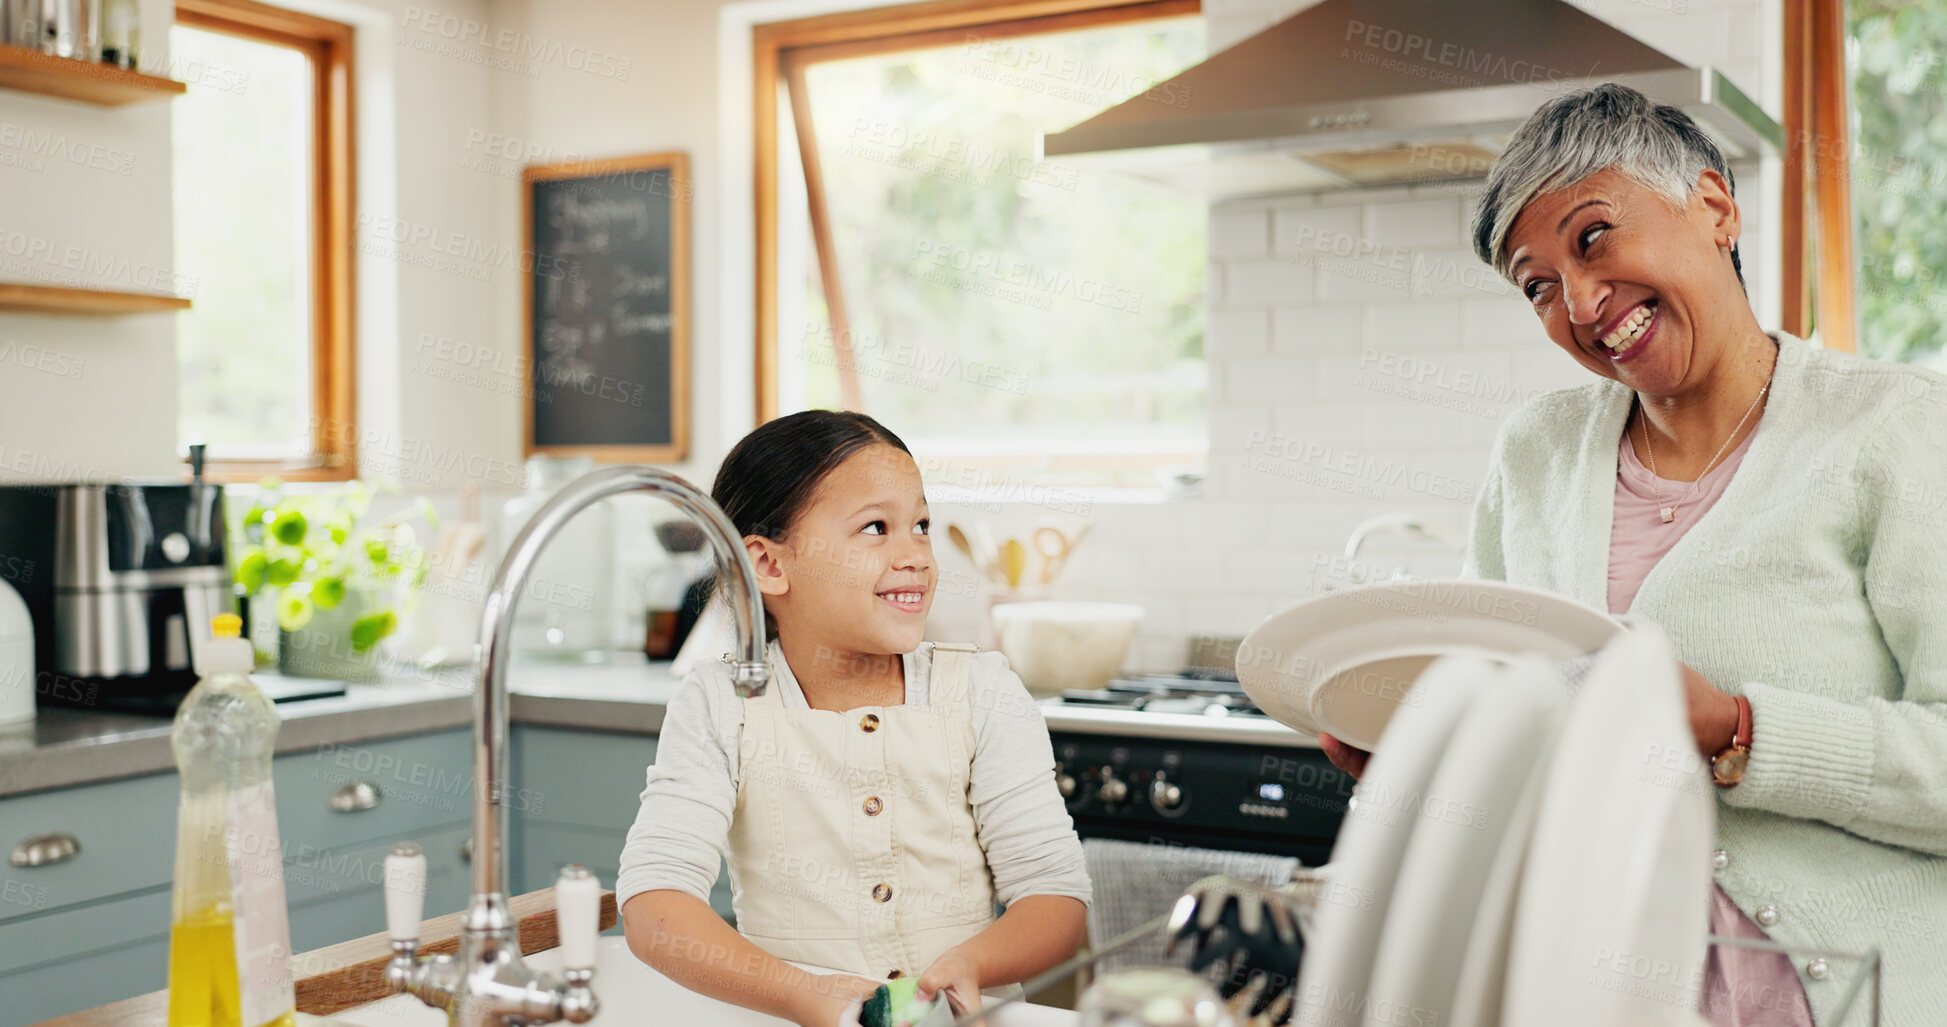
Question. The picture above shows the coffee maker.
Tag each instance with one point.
(121, 581)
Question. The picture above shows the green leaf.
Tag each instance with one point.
(376, 550)
(328, 592)
(251, 568)
(367, 630)
(339, 525)
(290, 526)
(293, 611)
(285, 566)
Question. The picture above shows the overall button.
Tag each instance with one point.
(873, 806)
(1766, 916)
(1817, 969)
(869, 723)
(1720, 859)
(882, 893)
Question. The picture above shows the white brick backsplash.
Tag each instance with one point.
(1415, 222)
(1410, 425)
(1239, 331)
(1232, 428)
(1266, 281)
(1457, 272)
(1188, 570)
(1316, 230)
(1225, 614)
(1252, 380)
(1242, 233)
(1499, 322)
(1386, 276)
(1433, 325)
(1314, 330)
(1333, 424)
(1207, 522)
(1258, 567)
(1547, 369)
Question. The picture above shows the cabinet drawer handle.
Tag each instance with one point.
(359, 795)
(466, 851)
(46, 850)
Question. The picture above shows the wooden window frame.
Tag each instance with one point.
(328, 45)
(1818, 263)
(781, 52)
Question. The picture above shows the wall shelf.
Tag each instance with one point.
(31, 71)
(18, 297)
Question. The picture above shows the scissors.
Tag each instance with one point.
(1054, 548)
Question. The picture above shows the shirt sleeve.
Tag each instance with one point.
(1873, 765)
(1019, 816)
(682, 828)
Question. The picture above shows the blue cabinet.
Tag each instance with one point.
(94, 928)
(576, 793)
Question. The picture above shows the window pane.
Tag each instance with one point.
(243, 195)
(1899, 174)
(1002, 304)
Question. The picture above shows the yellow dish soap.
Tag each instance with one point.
(230, 939)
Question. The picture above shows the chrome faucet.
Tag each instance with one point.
(485, 984)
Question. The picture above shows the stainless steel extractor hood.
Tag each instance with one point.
(1352, 93)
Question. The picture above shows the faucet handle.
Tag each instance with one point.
(405, 893)
(577, 905)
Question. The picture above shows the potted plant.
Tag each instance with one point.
(337, 581)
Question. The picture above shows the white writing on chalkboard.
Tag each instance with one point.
(589, 225)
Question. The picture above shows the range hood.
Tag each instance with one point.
(1353, 93)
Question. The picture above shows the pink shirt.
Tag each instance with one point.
(1742, 987)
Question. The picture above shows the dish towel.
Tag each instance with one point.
(1135, 882)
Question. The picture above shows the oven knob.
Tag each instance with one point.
(1165, 794)
(1112, 789)
(1065, 782)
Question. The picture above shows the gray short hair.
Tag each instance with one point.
(1573, 136)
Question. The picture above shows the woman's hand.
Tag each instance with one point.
(834, 1000)
(1713, 714)
(956, 974)
(1343, 756)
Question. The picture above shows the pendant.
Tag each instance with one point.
(1669, 514)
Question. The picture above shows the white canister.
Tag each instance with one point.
(16, 658)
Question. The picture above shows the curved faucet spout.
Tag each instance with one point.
(488, 910)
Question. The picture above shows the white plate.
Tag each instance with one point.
(1344, 661)
(1484, 970)
(1609, 926)
(1387, 808)
(1469, 808)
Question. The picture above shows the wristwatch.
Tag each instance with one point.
(1727, 767)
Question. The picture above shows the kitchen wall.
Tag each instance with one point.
(1360, 360)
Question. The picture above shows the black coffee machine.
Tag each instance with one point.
(121, 581)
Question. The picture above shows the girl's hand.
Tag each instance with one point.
(834, 1000)
(1343, 756)
(1713, 714)
(955, 974)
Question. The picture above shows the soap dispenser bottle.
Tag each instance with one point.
(230, 937)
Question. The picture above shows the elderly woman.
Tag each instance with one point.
(1779, 510)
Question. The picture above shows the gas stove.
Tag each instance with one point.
(1188, 759)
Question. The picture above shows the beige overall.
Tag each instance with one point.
(853, 846)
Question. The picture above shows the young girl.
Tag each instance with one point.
(880, 796)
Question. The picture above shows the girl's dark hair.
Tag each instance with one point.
(774, 472)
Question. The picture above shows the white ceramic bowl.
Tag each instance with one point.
(1059, 645)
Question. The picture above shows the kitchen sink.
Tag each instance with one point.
(634, 995)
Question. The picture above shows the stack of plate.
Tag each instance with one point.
(1512, 858)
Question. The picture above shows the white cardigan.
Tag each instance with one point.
(1816, 586)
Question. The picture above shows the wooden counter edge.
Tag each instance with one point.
(351, 973)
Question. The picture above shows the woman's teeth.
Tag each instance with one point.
(903, 597)
(1625, 336)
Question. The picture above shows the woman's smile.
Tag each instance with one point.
(1629, 333)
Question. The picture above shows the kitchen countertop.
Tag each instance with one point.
(65, 747)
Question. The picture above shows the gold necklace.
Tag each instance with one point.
(1668, 511)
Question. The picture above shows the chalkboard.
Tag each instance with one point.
(607, 307)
